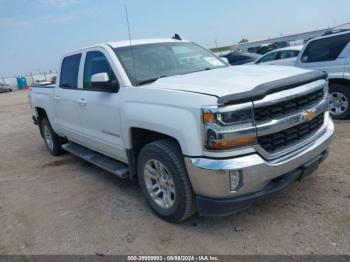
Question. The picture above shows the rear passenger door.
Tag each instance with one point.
(99, 106)
(326, 54)
(66, 96)
(347, 64)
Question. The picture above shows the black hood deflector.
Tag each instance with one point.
(260, 91)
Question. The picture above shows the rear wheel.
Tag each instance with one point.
(52, 140)
(164, 180)
(339, 101)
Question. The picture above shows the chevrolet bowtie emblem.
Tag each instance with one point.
(309, 116)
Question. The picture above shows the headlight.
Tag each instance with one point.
(228, 127)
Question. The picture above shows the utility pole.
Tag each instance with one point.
(31, 75)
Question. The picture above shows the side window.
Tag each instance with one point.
(69, 72)
(95, 63)
(268, 57)
(326, 49)
(289, 54)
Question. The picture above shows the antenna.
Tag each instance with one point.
(176, 37)
(130, 42)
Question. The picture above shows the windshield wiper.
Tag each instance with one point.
(205, 69)
(151, 80)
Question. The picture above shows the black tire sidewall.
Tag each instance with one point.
(345, 90)
(177, 211)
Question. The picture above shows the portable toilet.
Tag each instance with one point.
(22, 82)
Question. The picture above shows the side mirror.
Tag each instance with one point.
(99, 78)
(304, 59)
(101, 81)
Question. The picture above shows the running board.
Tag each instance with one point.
(113, 166)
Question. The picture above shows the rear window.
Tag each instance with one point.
(69, 72)
(326, 49)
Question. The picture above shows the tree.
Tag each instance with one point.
(243, 40)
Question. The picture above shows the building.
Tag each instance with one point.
(296, 39)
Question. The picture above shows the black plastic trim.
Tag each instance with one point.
(35, 120)
(44, 86)
(260, 91)
(132, 161)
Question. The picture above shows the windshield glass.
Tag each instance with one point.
(147, 63)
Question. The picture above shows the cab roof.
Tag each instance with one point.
(144, 41)
(127, 43)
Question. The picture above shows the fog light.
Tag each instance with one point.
(235, 180)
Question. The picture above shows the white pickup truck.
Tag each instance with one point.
(197, 134)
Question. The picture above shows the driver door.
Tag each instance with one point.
(99, 107)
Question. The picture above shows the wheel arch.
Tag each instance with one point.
(41, 114)
(341, 81)
(138, 138)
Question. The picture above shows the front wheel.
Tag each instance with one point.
(339, 101)
(164, 180)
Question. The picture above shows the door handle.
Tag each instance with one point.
(82, 102)
(57, 98)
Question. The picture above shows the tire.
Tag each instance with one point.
(339, 101)
(52, 140)
(180, 199)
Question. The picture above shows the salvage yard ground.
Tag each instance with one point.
(63, 205)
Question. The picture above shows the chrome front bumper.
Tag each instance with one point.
(210, 177)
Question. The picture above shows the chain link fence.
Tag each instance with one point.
(31, 79)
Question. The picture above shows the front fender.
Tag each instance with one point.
(181, 124)
(173, 113)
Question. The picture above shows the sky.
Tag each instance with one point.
(34, 34)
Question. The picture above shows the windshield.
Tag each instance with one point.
(146, 63)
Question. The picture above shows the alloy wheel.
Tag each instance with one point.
(159, 183)
(338, 103)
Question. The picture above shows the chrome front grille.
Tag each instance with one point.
(288, 119)
(291, 106)
(280, 140)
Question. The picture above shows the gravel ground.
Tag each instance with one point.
(63, 205)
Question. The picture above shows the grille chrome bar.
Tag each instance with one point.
(277, 125)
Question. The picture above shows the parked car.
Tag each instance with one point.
(331, 53)
(335, 31)
(197, 134)
(253, 49)
(42, 83)
(240, 58)
(281, 44)
(266, 48)
(284, 56)
(5, 88)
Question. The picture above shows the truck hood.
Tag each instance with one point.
(227, 81)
